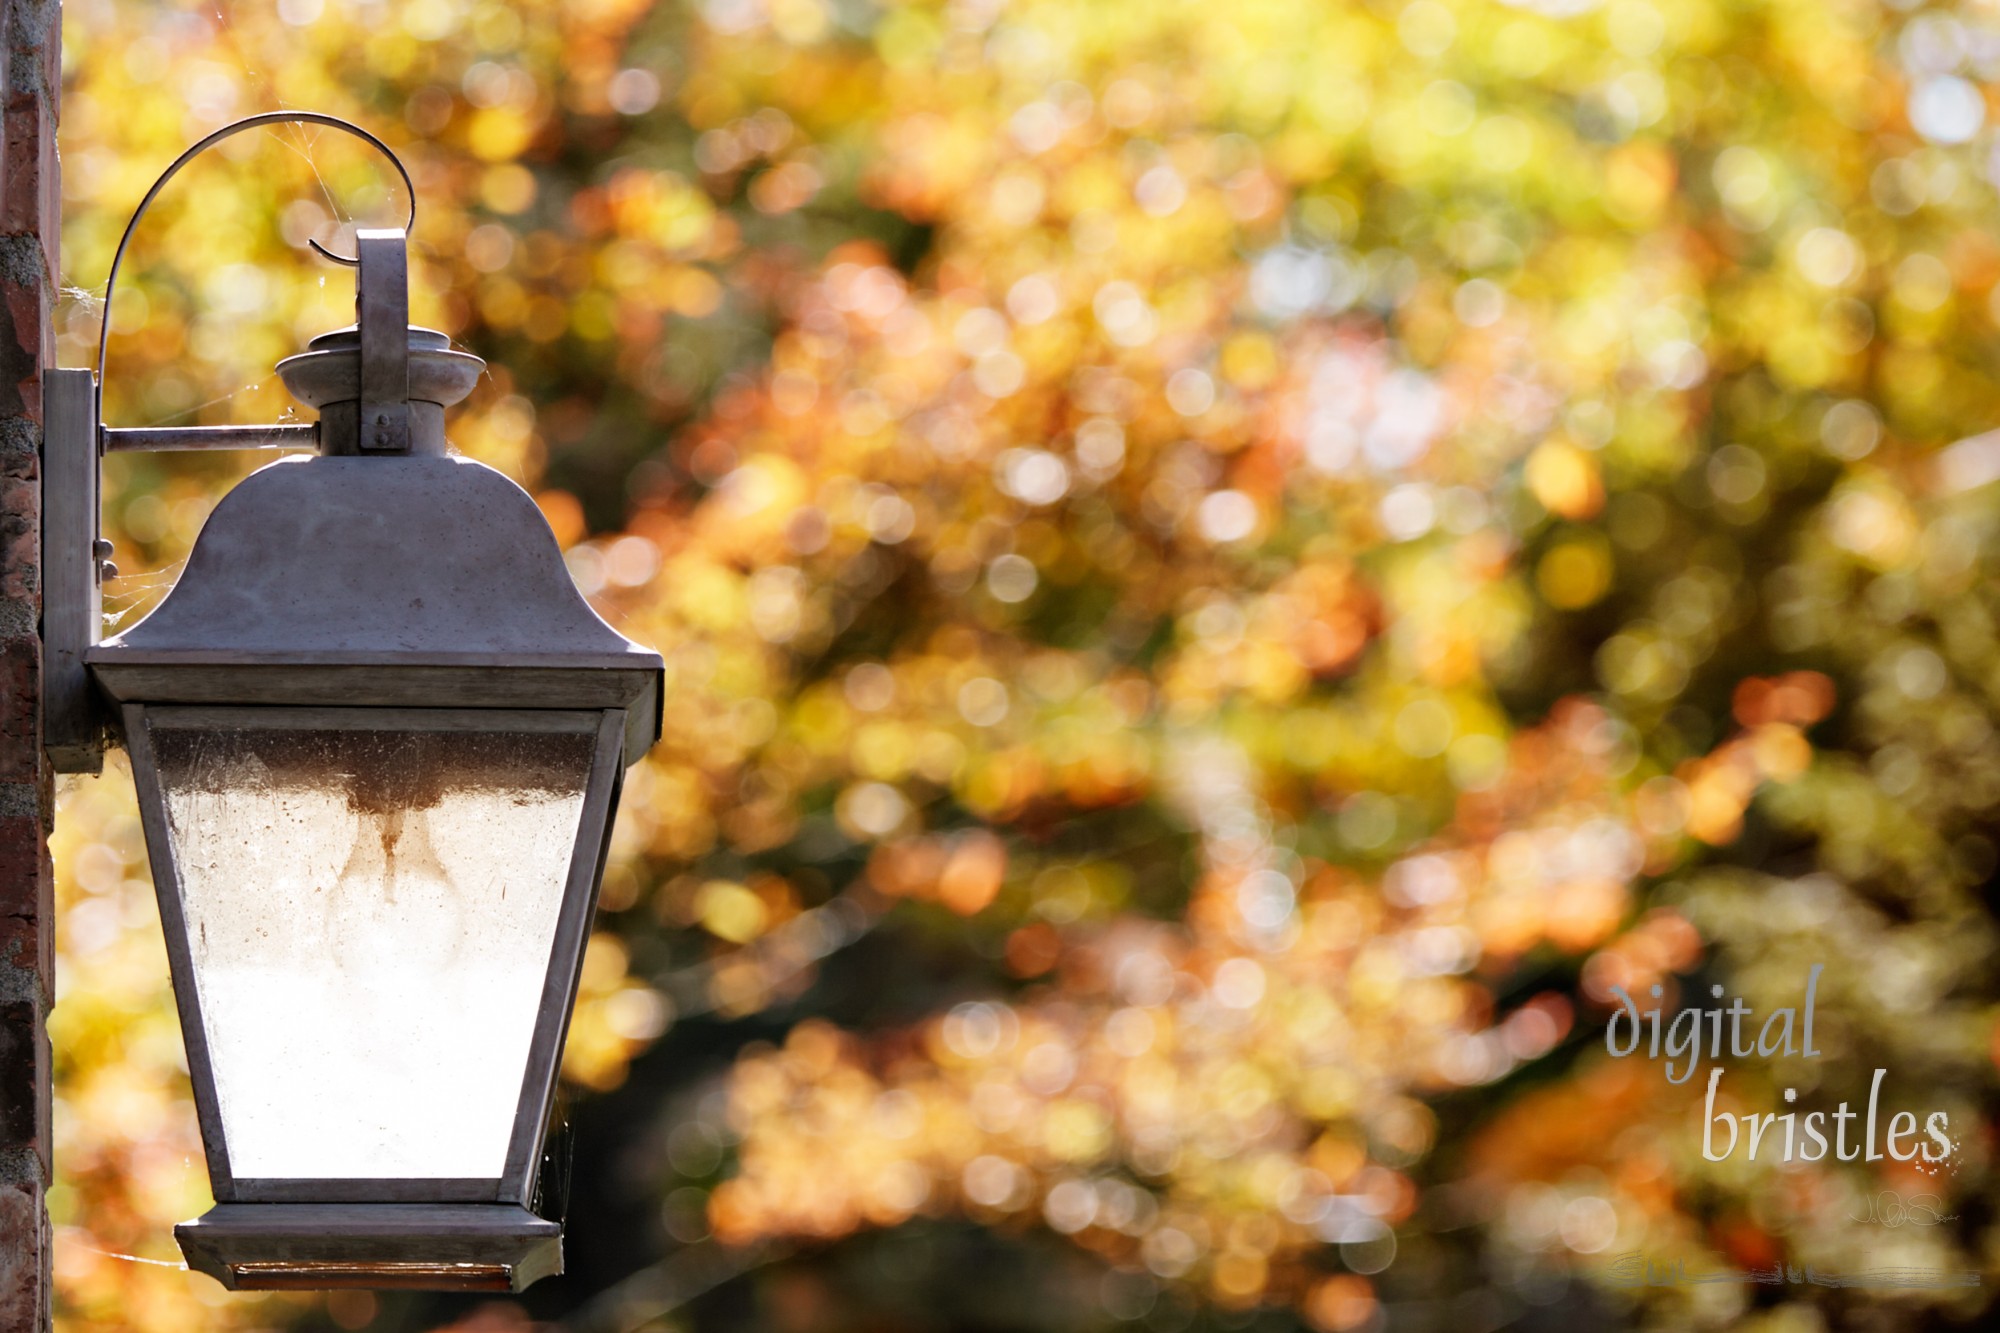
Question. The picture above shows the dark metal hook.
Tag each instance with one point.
(237, 127)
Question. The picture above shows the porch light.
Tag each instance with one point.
(377, 736)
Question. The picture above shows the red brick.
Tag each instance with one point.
(24, 1248)
(20, 540)
(24, 1074)
(22, 850)
(20, 710)
(26, 314)
(21, 209)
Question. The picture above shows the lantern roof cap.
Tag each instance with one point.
(417, 580)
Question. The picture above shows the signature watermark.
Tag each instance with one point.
(1892, 1210)
(1871, 1131)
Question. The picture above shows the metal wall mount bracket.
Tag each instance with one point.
(77, 722)
(76, 560)
(74, 719)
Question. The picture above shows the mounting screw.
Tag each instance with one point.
(106, 572)
(102, 548)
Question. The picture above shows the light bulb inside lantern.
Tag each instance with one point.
(395, 910)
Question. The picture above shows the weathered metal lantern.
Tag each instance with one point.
(377, 736)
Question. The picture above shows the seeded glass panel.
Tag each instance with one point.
(370, 915)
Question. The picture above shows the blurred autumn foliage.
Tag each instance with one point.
(1226, 572)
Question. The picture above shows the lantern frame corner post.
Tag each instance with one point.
(166, 890)
(565, 974)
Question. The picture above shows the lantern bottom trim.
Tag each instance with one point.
(372, 1246)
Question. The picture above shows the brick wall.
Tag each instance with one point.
(30, 38)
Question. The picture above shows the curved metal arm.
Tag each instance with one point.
(237, 127)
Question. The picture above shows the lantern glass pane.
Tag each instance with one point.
(370, 916)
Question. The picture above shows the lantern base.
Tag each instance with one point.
(373, 1246)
